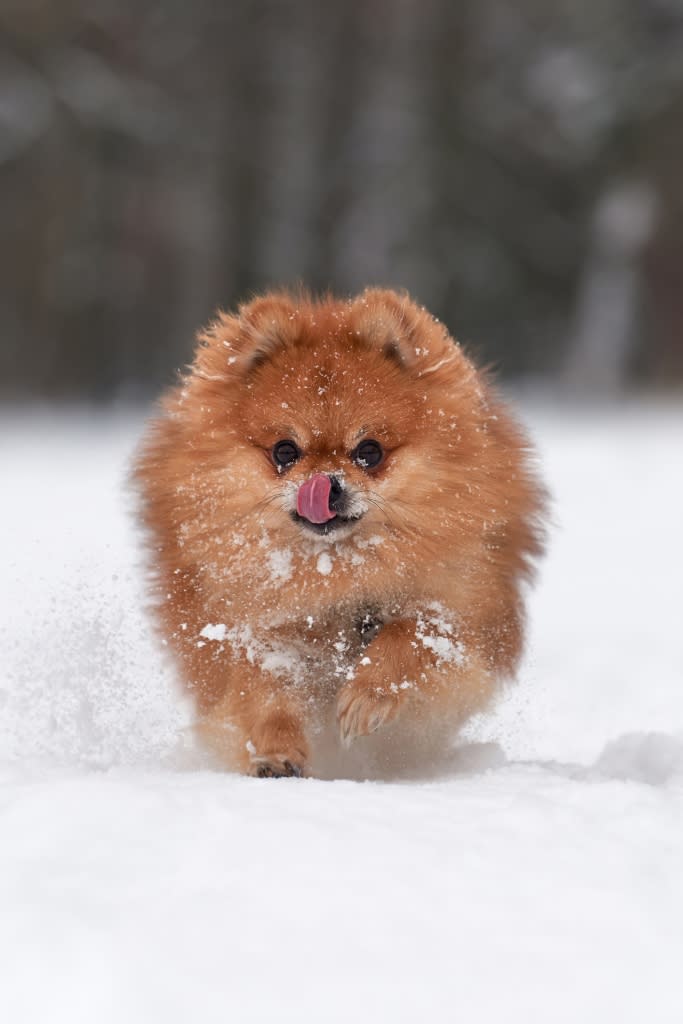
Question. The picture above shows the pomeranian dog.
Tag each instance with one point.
(342, 516)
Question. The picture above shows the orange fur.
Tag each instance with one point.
(411, 614)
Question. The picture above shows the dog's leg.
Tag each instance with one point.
(258, 727)
(409, 663)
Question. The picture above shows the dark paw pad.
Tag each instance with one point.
(278, 770)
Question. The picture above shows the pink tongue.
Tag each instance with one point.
(313, 499)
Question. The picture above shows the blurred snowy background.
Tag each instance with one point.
(517, 166)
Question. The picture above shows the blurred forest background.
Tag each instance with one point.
(516, 164)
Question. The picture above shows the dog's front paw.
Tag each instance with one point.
(277, 748)
(363, 709)
(275, 766)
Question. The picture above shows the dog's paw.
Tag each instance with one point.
(275, 766)
(362, 710)
(277, 748)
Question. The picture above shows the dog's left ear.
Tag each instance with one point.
(405, 332)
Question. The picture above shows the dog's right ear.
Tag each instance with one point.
(234, 344)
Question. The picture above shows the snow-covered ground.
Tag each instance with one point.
(540, 881)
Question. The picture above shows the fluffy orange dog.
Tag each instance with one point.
(341, 515)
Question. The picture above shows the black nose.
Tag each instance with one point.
(337, 499)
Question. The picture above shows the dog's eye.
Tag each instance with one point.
(368, 454)
(285, 453)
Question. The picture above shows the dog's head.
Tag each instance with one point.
(339, 422)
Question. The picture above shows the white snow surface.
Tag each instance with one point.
(540, 879)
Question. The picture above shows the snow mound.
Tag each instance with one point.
(652, 758)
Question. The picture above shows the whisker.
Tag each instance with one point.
(378, 502)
